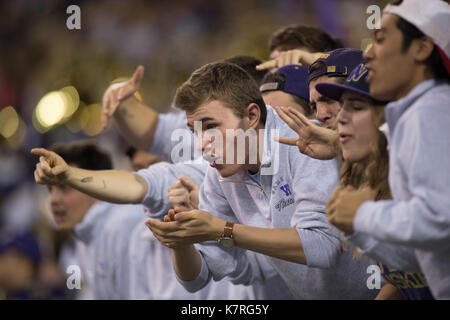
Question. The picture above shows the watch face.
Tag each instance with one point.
(226, 242)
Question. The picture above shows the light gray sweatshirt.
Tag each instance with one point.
(101, 253)
(294, 195)
(419, 176)
(158, 258)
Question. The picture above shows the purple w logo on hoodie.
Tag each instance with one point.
(286, 190)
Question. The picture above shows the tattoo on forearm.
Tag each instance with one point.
(87, 179)
(104, 184)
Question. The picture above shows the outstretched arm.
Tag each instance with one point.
(107, 185)
(295, 56)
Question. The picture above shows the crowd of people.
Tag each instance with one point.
(285, 179)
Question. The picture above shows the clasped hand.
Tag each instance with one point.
(180, 228)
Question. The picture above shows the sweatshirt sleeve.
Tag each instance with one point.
(419, 216)
(218, 262)
(161, 176)
(395, 256)
(314, 181)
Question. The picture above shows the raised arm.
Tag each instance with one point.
(136, 121)
(295, 56)
(107, 185)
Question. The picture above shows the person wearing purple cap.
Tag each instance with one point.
(288, 86)
(363, 148)
(332, 67)
(408, 64)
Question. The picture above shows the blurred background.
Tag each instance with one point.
(52, 81)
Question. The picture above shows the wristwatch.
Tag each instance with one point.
(226, 240)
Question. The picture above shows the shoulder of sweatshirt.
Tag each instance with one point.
(428, 118)
(432, 105)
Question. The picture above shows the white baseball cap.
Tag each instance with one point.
(432, 17)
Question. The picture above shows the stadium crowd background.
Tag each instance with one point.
(39, 56)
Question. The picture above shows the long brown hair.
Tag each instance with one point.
(372, 172)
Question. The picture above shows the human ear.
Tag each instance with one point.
(424, 48)
(253, 113)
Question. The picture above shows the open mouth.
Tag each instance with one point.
(343, 137)
(211, 159)
(369, 74)
(59, 215)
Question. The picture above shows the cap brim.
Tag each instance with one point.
(334, 91)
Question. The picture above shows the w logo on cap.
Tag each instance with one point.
(358, 73)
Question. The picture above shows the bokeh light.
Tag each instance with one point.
(78, 120)
(16, 140)
(9, 122)
(51, 108)
(72, 99)
(56, 107)
(92, 113)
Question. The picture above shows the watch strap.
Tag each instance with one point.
(228, 229)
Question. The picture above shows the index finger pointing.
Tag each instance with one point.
(267, 65)
(41, 152)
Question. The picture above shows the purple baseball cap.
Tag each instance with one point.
(355, 82)
(296, 81)
(337, 63)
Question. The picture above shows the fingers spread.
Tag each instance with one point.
(284, 140)
(298, 117)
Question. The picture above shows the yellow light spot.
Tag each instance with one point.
(51, 108)
(9, 122)
(77, 121)
(93, 113)
(17, 139)
(39, 128)
(73, 101)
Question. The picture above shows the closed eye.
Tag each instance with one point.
(211, 126)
